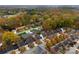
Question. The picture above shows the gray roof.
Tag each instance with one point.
(25, 36)
(36, 50)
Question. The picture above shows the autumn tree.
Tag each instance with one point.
(53, 41)
(48, 24)
(9, 38)
(48, 44)
(2, 21)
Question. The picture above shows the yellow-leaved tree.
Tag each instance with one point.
(9, 38)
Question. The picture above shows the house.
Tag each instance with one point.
(27, 38)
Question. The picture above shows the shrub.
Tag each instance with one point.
(22, 49)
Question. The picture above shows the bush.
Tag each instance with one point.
(31, 45)
(13, 52)
(38, 42)
(22, 49)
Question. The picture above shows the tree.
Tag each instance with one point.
(2, 21)
(48, 24)
(24, 18)
(61, 37)
(14, 22)
(9, 38)
(76, 23)
(48, 44)
(53, 41)
(68, 23)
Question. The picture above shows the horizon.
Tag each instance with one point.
(38, 6)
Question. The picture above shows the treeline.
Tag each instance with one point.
(47, 18)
